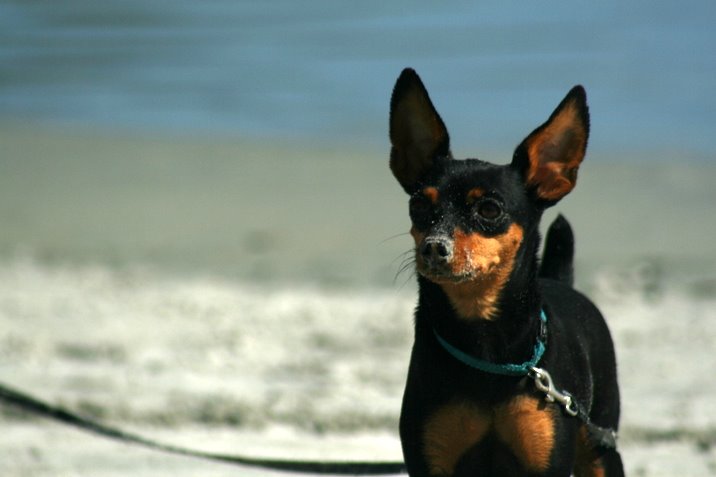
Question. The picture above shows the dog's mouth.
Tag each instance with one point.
(446, 276)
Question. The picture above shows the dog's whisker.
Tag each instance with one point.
(406, 281)
(407, 258)
(393, 237)
(407, 263)
(407, 266)
(407, 255)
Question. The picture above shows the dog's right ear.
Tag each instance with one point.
(417, 133)
(550, 156)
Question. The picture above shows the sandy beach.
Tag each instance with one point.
(201, 241)
(197, 344)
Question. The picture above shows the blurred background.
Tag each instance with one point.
(200, 237)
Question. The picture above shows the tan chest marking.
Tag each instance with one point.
(524, 425)
(450, 432)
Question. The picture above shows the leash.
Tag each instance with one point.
(35, 406)
(600, 437)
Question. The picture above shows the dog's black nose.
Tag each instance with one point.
(436, 250)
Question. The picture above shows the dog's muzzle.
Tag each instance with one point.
(436, 253)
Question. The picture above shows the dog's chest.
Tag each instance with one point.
(524, 424)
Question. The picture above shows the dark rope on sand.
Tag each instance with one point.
(56, 413)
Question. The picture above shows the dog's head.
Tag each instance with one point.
(469, 217)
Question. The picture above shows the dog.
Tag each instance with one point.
(512, 371)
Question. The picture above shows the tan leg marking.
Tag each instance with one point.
(450, 432)
(527, 428)
(587, 464)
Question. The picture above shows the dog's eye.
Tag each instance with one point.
(489, 209)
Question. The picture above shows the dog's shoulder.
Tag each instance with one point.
(574, 320)
(566, 301)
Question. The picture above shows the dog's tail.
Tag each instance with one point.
(558, 254)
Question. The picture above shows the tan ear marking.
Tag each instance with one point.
(556, 149)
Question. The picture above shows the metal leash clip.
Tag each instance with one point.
(543, 382)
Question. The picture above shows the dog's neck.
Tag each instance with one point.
(508, 334)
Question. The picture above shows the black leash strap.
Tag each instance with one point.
(35, 406)
(599, 437)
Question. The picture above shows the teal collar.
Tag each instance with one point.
(507, 369)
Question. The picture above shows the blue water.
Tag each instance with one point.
(323, 70)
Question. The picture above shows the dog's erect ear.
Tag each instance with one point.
(549, 158)
(417, 133)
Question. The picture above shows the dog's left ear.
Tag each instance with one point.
(417, 133)
(549, 157)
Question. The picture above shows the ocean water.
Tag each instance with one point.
(323, 72)
(200, 239)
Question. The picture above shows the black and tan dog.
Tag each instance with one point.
(512, 371)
